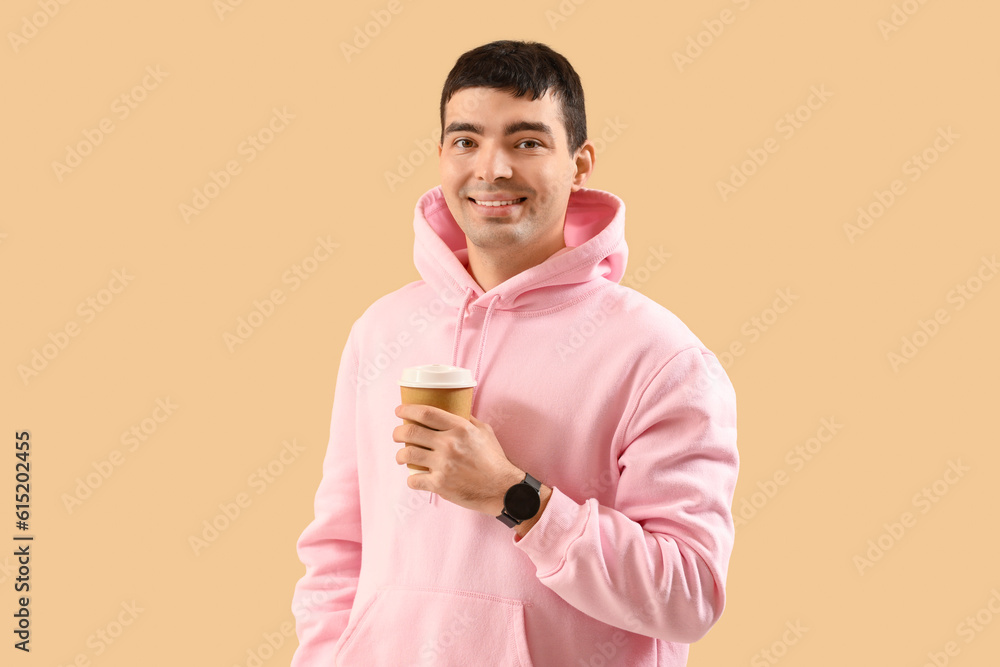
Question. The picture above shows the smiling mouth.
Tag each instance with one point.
(498, 204)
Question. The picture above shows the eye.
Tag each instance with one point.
(531, 141)
(459, 141)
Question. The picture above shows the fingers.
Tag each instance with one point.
(429, 416)
(414, 454)
(413, 434)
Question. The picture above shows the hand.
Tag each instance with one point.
(467, 465)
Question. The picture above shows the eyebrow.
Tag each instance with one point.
(511, 128)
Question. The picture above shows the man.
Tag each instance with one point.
(603, 434)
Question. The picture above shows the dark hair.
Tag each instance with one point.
(521, 68)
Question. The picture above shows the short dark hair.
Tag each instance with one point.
(521, 68)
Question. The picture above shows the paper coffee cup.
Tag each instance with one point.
(447, 387)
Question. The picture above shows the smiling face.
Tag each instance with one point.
(506, 174)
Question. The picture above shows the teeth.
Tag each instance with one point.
(497, 203)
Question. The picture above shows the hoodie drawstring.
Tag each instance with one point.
(482, 337)
(458, 325)
(482, 340)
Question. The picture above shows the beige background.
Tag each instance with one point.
(671, 134)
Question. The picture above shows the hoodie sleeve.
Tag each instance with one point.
(655, 563)
(330, 546)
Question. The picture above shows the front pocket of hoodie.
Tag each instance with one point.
(406, 626)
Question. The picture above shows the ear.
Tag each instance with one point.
(585, 160)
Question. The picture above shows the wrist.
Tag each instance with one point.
(515, 476)
(522, 529)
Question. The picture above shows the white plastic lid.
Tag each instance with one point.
(437, 376)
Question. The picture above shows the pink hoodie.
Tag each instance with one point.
(592, 388)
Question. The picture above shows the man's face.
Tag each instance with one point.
(497, 147)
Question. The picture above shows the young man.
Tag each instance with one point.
(603, 434)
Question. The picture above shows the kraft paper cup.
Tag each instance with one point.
(447, 387)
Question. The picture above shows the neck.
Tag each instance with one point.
(491, 269)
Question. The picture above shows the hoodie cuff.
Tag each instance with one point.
(548, 541)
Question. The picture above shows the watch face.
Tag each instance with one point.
(522, 502)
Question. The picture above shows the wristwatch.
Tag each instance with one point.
(521, 502)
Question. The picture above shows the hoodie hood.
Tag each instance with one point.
(595, 252)
(594, 233)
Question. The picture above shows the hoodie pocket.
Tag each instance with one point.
(405, 626)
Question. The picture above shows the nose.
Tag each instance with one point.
(492, 163)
